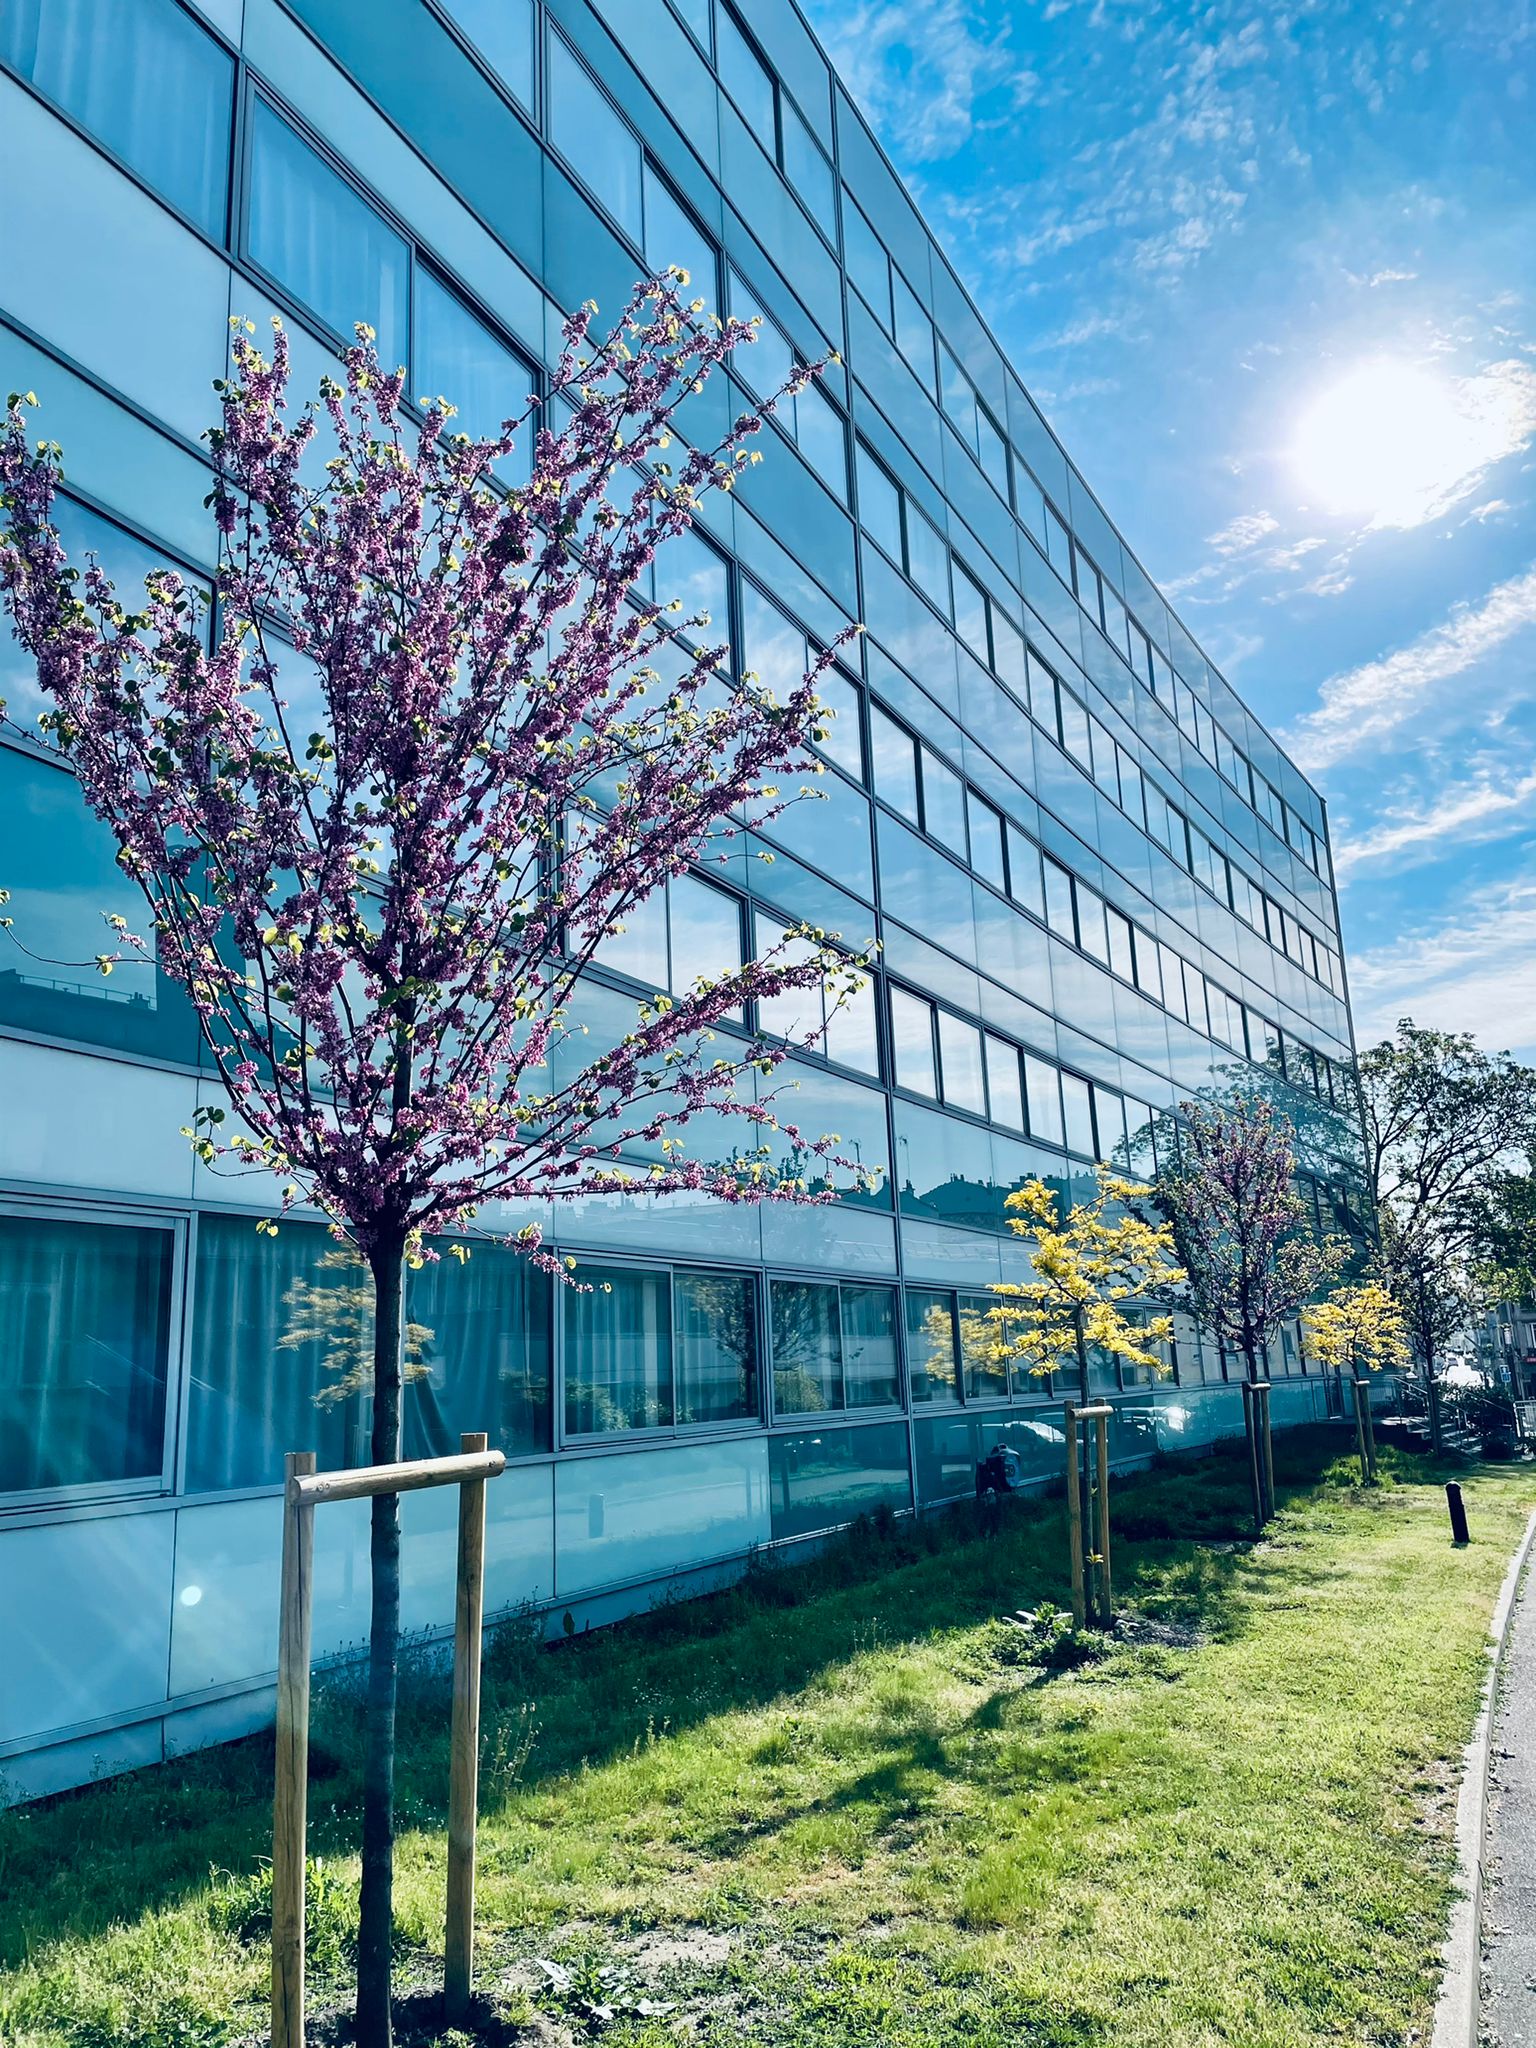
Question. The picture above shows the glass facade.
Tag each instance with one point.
(1096, 882)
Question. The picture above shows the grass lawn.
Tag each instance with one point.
(834, 1806)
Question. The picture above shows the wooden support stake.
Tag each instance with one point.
(1255, 1481)
(292, 1776)
(464, 1764)
(1075, 1520)
(1267, 1449)
(1106, 1582)
(1370, 1431)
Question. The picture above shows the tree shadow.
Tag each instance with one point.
(134, 1845)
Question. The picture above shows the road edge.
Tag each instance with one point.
(1458, 2007)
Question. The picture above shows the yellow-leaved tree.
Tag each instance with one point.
(1358, 1327)
(1362, 1328)
(1086, 1269)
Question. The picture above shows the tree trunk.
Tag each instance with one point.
(376, 1912)
(1255, 1448)
(1084, 1480)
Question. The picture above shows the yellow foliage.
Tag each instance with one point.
(1358, 1327)
(1105, 1254)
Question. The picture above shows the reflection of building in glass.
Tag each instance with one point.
(1097, 883)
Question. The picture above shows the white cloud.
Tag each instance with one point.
(919, 70)
(1364, 703)
(1475, 971)
(1486, 805)
(1242, 533)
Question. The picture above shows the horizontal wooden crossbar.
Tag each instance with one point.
(1090, 1414)
(314, 1489)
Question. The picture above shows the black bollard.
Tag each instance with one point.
(1458, 1508)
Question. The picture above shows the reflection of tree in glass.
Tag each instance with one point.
(336, 1315)
(937, 1336)
(716, 1318)
(983, 1356)
(807, 1348)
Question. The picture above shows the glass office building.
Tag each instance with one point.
(1097, 883)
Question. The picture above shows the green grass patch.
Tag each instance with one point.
(843, 1804)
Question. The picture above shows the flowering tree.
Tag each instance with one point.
(438, 745)
(1105, 1254)
(1239, 1226)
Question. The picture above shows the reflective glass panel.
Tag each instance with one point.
(705, 932)
(927, 558)
(744, 78)
(986, 1373)
(807, 1348)
(458, 358)
(588, 132)
(894, 755)
(823, 1480)
(502, 31)
(986, 830)
(1004, 1094)
(674, 239)
(86, 1310)
(618, 1350)
(912, 1042)
(879, 504)
(1077, 1105)
(960, 1056)
(1058, 902)
(943, 803)
(1042, 1085)
(931, 1369)
(321, 240)
(871, 1376)
(715, 1328)
(145, 80)
(1024, 883)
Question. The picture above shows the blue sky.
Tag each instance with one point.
(1272, 277)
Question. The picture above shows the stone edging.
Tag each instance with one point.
(1457, 2007)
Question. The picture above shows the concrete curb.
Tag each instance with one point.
(1457, 2009)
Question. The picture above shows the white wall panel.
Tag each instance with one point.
(85, 1613)
(74, 1120)
(656, 1511)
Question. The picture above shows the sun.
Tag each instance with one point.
(1390, 442)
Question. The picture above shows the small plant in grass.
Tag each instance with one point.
(1045, 1636)
(240, 1905)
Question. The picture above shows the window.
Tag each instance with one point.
(278, 1356)
(144, 80)
(674, 239)
(971, 615)
(779, 655)
(656, 1350)
(834, 1347)
(321, 241)
(1090, 924)
(87, 1307)
(984, 1369)
(1024, 884)
(932, 1375)
(1077, 1106)
(894, 754)
(503, 32)
(912, 1042)
(914, 332)
(683, 930)
(943, 803)
(868, 265)
(879, 504)
(748, 81)
(588, 132)
(1058, 902)
(1042, 1086)
(458, 358)
(1121, 957)
(808, 171)
(986, 833)
(1003, 1090)
(927, 558)
(960, 1061)
(838, 1023)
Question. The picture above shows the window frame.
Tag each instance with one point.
(129, 1215)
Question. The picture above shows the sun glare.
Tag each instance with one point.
(1389, 442)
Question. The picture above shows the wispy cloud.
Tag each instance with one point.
(1362, 704)
(1487, 804)
(923, 69)
(1475, 971)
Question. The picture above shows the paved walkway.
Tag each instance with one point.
(1509, 1894)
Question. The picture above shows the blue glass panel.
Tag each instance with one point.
(810, 173)
(820, 1481)
(744, 78)
(503, 32)
(589, 133)
(932, 1369)
(871, 1368)
(868, 265)
(944, 1169)
(59, 862)
(672, 238)
(321, 241)
(457, 357)
(618, 1350)
(807, 1348)
(86, 1310)
(145, 80)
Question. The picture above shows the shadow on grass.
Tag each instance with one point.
(121, 1849)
